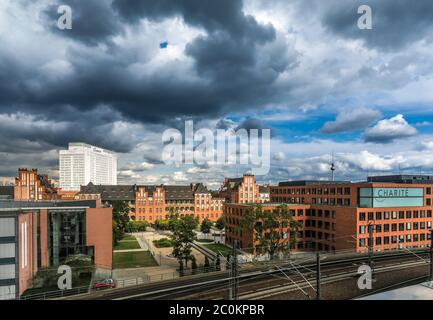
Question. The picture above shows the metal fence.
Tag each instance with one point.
(56, 294)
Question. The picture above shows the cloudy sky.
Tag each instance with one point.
(301, 68)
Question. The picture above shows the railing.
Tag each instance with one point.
(56, 294)
(205, 251)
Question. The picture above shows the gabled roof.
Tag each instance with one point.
(120, 192)
(264, 189)
(201, 188)
(179, 192)
(6, 192)
(234, 183)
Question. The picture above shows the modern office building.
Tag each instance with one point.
(151, 203)
(395, 211)
(83, 163)
(37, 235)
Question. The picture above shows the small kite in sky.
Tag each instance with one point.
(163, 45)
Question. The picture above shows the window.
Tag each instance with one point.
(378, 215)
(362, 216)
(361, 229)
(386, 215)
(408, 214)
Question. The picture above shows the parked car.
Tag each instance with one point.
(103, 284)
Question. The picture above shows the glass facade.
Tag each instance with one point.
(391, 197)
(67, 234)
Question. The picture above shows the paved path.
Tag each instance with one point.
(130, 250)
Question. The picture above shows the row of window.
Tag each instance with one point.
(397, 227)
(394, 214)
(396, 239)
(160, 217)
(143, 210)
(332, 191)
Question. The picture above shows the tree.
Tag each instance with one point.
(121, 210)
(275, 230)
(162, 224)
(182, 228)
(137, 226)
(206, 264)
(228, 262)
(218, 263)
(205, 226)
(193, 264)
(220, 223)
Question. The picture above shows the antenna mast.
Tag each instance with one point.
(332, 168)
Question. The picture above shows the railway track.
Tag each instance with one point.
(214, 285)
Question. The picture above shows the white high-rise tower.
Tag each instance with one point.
(83, 163)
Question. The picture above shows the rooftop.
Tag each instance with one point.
(310, 183)
(6, 192)
(403, 179)
(11, 205)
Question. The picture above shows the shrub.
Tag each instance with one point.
(163, 243)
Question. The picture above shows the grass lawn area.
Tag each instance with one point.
(219, 248)
(127, 244)
(133, 260)
(204, 240)
(128, 237)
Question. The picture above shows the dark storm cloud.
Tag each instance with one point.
(29, 133)
(222, 15)
(225, 60)
(396, 23)
(93, 21)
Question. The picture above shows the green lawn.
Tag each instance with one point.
(204, 240)
(127, 244)
(128, 237)
(135, 259)
(219, 248)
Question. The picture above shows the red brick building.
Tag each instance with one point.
(152, 203)
(243, 190)
(338, 215)
(37, 235)
(29, 185)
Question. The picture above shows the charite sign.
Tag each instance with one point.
(393, 193)
(391, 197)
